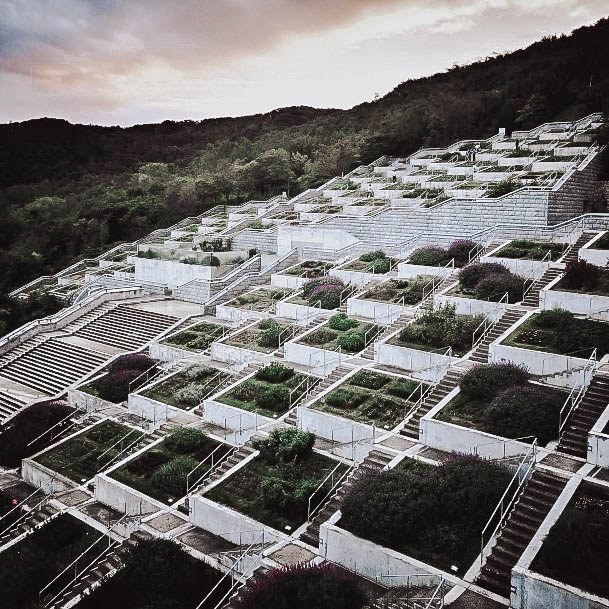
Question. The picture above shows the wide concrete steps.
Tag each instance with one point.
(398, 324)
(126, 328)
(52, 366)
(528, 513)
(33, 520)
(572, 254)
(9, 404)
(503, 324)
(532, 297)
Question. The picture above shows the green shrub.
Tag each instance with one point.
(373, 256)
(341, 322)
(459, 251)
(344, 399)
(185, 440)
(275, 398)
(321, 336)
(369, 379)
(581, 275)
(274, 373)
(311, 286)
(351, 341)
(191, 395)
(271, 335)
(402, 388)
(470, 276)
(502, 188)
(285, 446)
(554, 318)
(495, 285)
(171, 477)
(328, 299)
(485, 382)
(382, 407)
(428, 256)
(245, 392)
(381, 266)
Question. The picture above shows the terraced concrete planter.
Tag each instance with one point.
(86, 402)
(299, 312)
(594, 305)
(531, 269)
(470, 306)
(598, 442)
(229, 524)
(322, 361)
(170, 353)
(410, 271)
(594, 256)
(40, 476)
(358, 278)
(227, 312)
(518, 160)
(464, 440)
(229, 354)
(384, 313)
(242, 422)
(152, 410)
(424, 365)
(280, 280)
(552, 166)
(173, 273)
(358, 210)
(369, 559)
(123, 498)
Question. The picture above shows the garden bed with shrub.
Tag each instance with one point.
(575, 550)
(370, 396)
(489, 281)
(28, 566)
(197, 338)
(341, 332)
(438, 330)
(586, 278)
(124, 374)
(499, 399)
(309, 269)
(189, 388)
(274, 488)
(559, 331)
(438, 256)
(81, 457)
(269, 392)
(531, 250)
(324, 292)
(375, 262)
(261, 300)
(161, 471)
(394, 290)
(602, 243)
(432, 513)
(323, 586)
(266, 336)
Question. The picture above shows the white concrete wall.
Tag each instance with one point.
(298, 312)
(598, 442)
(230, 354)
(42, 477)
(123, 498)
(172, 273)
(585, 304)
(233, 418)
(320, 360)
(332, 427)
(290, 237)
(410, 271)
(170, 353)
(87, 402)
(384, 313)
(593, 256)
(357, 278)
(152, 410)
(227, 312)
(531, 269)
(280, 280)
(470, 306)
(424, 365)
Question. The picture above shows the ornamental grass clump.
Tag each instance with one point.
(585, 277)
(428, 256)
(323, 586)
(485, 382)
(285, 446)
(171, 477)
(341, 322)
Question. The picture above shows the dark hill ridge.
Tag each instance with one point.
(104, 192)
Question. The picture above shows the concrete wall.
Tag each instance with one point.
(470, 306)
(300, 313)
(123, 498)
(384, 313)
(87, 402)
(333, 427)
(598, 442)
(424, 365)
(320, 360)
(42, 477)
(531, 269)
(410, 271)
(586, 304)
(230, 354)
(233, 418)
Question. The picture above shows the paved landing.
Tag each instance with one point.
(292, 554)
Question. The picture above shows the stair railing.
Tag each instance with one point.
(577, 393)
(313, 509)
(137, 380)
(122, 450)
(211, 461)
(488, 322)
(422, 390)
(50, 429)
(25, 515)
(296, 395)
(212, 471)
(508, 499)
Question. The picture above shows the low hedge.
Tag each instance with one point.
(490, 281)
(581, 276)
(485, 382)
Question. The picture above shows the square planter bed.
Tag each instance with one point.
(591, 297)
(276, 494)
(187, 389)
(434, 514)
(161, 471)
(80, 457)
(270, 392)
(407, 270)
(524, 257)
(340, 332)
(371, 396)
(596, 251)
(198, 337)
(264, 336)
(574, 553)
(466, 302)
(256, 304)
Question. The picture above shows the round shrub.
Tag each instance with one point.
(470, 276)
(459, 250)
(132, 361)
(553, 318)
(274, 373)
(276, 398)
(581, 275)
(114, 386)
(495, 285)
(326, 295)
(303, 587)
(191, 395)
(369, 379)
(171, 477)
(341, 322)
(373, 256)
(428, 256)
(320, 337)
(245, 392)
(381, 266)
(148, 461)
(308, 287)
(287, 445)
(271, 336)
(522, 411)
(344, 399)
(185, 440)
(351, 341)
(402, 388)
(485, 382)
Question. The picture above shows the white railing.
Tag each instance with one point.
(410, 591)
(296, 395)
(313, 509)
(488, 322)
(508, 499)
(122, 450)
(577, 393)
(211, 461)
(422, 390)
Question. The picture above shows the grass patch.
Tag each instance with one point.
(531, 250)
(259, 300)
(369, 396)
(189, 388)
(82, 456)
(266, 336)
(197, 338)
(349, 336)
(145, 473)
(411, 290)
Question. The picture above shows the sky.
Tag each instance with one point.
(124, 62)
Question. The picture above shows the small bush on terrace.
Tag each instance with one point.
(321, 336)
(286, 446)
(185, 440)
(273, 398)
(328, 280)
(271, 333)
(485, 382)
(428, 256)
(369, 379)
(459, 250)
(502, 188)
(114, 386)
(352, 341)
(344, 399)
(553, 318)
(171, 477)
(585, 277)
(496, 285)
(470, 276)
(341, 322)
(373, 256)
(303, 587)
(325, 290)
(274, 373)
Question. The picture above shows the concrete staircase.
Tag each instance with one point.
(505, 322)
(33, 520)
(402, 321)
(572, 254)
(375, 461)
(52, 365)
(334, 376)
(574, 439)
(126, 328)
(9, 404)
(532, 297)
(531, 508)
(239, 455)
(441, 390)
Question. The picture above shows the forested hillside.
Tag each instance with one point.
(68, 191)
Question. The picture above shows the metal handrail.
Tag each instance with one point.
(503, 508)
(16, 507)
(119, 441)
(310, 382)
(486, 324)
(423, 389)
(311, 511)
(145, 373)
(575, 397)
(194, 469)
(50, 429)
